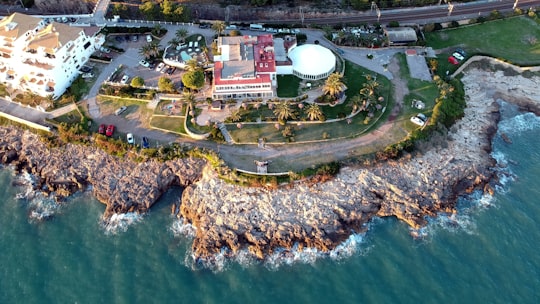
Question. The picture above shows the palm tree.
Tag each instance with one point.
(174, 42)
(146, 51)
(149, 50)
(358, 103)
(218, 27)
(192, 65)
(333, 85)
(181, 34)
(314, 112)
(284, 111)
(188, 98)
(235, 115)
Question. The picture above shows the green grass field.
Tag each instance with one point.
(513, 39)
(173, 124)
(288, 86)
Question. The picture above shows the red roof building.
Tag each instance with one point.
(245, 68)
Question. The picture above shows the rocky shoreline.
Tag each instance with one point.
(316, 215)
(123, 185)
(323, 215)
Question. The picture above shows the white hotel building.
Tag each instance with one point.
(43, 58)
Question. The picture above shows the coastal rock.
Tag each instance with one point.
(322, 215)
(123, 185)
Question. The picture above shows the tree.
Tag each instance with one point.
(188, 98)
(235, 115)
(165, 84)
(314, 112)
(193, 79)
(150, 50)
(158, 30)
(284, 111)
(358, 103)
(119, 9)
(137, 82)
(150, 10)
(219, 27)
(333, 85)
(174, 42)
(192, 65)
(181, 33)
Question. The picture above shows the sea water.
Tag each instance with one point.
(487, 253)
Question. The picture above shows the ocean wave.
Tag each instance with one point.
(519, 123)
(180, 228)
(280, 257)
(120, 222)
(463, 220)
(40, 207)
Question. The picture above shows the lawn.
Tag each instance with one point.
(109, 105)
(514, 39)
(69, 118)
(288, 86)
(170, 107)
(173, 124)
(315, 131)
(418, 89)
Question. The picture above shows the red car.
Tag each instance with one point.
(101, 129)
(110, 130)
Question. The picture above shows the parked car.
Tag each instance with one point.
(458, 56)
(120, 110)
(105, 49)
(148, 38)
(144, 63)
(124, 79)
(119, 38)
(160, 66)
(171, 70)
(419, 119)
(462, 52)
(87, 75)
(110, 131)
(86, 69)
(164, 69)
(130, 139)
(145, 143)
(135, 38)
(101, 129)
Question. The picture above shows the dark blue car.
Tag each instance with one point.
(145, 143)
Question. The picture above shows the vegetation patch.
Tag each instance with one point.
(505, 38)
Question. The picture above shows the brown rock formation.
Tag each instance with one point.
(325, 214)
(123, 185)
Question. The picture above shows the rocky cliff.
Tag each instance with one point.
(323, 215)
(123, 185)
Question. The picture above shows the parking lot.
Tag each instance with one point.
(129, 60)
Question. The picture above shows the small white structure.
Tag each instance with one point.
(312, 61)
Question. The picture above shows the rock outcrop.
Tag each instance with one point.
(123, 185)
(305, 214)
(323, 215)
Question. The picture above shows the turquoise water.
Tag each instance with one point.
(487, 254)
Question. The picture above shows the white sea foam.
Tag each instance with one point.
(519, 123)
(40, 207)
(120, 222)
(180, 228)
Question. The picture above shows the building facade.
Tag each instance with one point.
(245, 68)
(42, 57)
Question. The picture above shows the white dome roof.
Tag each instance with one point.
(312, 59)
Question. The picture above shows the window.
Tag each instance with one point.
(87, 45)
